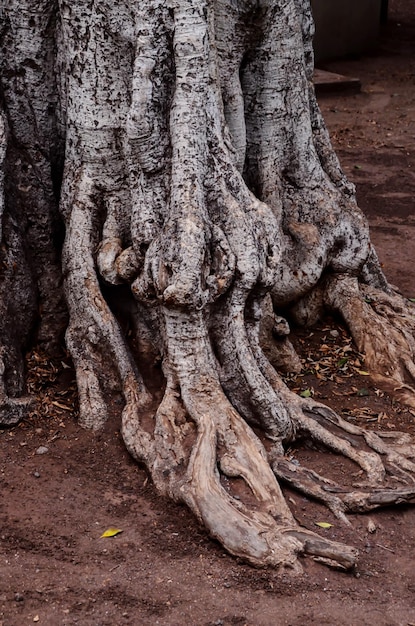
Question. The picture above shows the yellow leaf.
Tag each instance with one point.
(111, 532)
(323, 524)
(363, 373)
(306, 393)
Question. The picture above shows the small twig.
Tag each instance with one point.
(56, 435)
(379, 545)
(115, 567)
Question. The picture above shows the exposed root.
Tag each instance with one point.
(93, 334)
(13, 410)
(383, 328)
(202, 453)
(249, 391)
(200, 449)
(387, 459)
(390, 472)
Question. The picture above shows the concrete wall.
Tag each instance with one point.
(345, 26)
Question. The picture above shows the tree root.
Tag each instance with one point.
(199, 447)
(13, 410)
(202, 453)
(94, 337)
(383, 327)
(386, 458)
(390, 472)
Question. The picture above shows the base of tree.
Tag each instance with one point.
(198, 182)
(200, 451)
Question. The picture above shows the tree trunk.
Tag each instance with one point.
(195, 179)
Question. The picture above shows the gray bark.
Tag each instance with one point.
(195, 179)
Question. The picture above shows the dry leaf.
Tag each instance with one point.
(363, 373)
(61, 406)
(323, 524)
(111, 532)
(306, 393)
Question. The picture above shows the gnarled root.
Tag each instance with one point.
(94, 338)
(199, 447)
(386, 459)
(382, 325)
(204, 454)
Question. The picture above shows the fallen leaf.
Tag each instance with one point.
(342, 362)
(111, 532)
(323, 524)
(61, 406)
(411, 299)
(362, 392)
(36, 618)
(306, 393)
(363, 373)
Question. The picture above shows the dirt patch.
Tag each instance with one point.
(163, 569)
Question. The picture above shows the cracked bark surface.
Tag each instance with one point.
(198, 181)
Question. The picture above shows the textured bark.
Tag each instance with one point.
(196, 180)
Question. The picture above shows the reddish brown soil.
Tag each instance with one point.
(163, 568)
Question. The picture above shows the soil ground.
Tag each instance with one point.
(163, 569)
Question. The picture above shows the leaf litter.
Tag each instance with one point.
(332, 368)
(51, 382)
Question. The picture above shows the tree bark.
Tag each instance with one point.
(195, 179)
